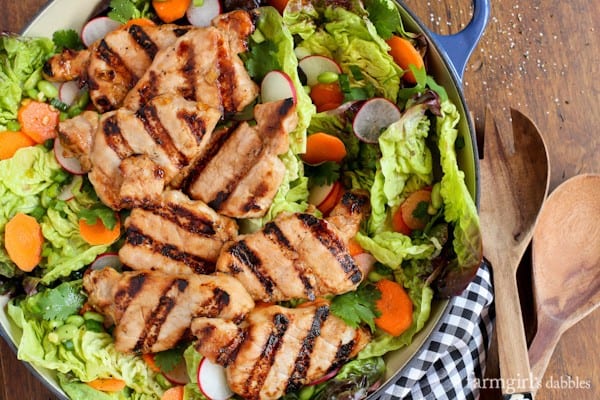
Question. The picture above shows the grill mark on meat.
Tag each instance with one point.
(218, 139)
(331, 241)
(149, 90)
(302, 363)
(125, 294)
(247, 257)
(158, 316)
(148, 115)
(276, 235)
(135, 237)
(118, 67)
(139, 36)
(196, 124)
(180, 31)
(188, 70)
(114, 138)
(354, 202)
(216, 303)
(230, 353)
(260, 370)
(226, 80)
(258, 193)
(192, 222)
(342, 354)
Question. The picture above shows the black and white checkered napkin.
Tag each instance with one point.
(453, 359)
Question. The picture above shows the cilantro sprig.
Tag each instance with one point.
(125, 10)
(358, 307)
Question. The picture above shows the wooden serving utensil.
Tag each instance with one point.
(566, 264)
(514, 186)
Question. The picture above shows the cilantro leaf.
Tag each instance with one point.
(323, 174)
(124, 10)
(60, 302)
(91, 215)
(385, 17)
(67, 39)
(169, 359)
(260, 58)
(357, 307)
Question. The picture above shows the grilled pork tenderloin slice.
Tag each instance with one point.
(175, 235)
(299, 256)
(152, 311)
(277, 350)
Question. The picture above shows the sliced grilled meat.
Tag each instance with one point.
(298, 256)
(152, 311)
(76, 135)
(169, 130)
(175, 235)
(278, 350)
(114, 64)
(200, 66)
(238, 173)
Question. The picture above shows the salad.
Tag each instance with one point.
(370, 118)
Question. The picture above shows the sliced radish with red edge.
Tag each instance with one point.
(178, 375)
(204, 14)
(66, 192)
(373, 117)
(277, 85)
(212, 381)
(97, 28)
(69, 92)
(315, 65)
(365, 262)
(318, 194)
(104, 260)
(70, 164)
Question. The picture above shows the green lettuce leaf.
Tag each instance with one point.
(21, 60)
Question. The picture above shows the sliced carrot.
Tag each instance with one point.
(10, 142)
(140, 22)
(354, 248)
(404, 54)
(149, 360)
(398, 224)
(321, 147)
(278, 4)
(332, 199)
(395, 306)
(326, 96)
(174, 393)
(107, 384)
(410, 205)
(170, 10)
(98, 234)
(38, 120)
(23, 241)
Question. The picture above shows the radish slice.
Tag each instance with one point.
(318, 194)
(69, 92)
(70, 164)
(212, 381)
(313, 66)
(178, 375)
(66, 193)
(365, 262)
(97, 28)
(277, 85)
(204, 14)
(104, 260)
(374, 116)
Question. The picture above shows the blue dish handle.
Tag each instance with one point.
(459, 46)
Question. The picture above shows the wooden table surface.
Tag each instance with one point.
(542, 57)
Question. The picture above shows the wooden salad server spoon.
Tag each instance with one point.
(514, 185)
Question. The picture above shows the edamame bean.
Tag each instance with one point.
(49, 90)
(436, 196)
(66, 332)
(327, 77)
(94, 316)
(94, 326)
(76, 320)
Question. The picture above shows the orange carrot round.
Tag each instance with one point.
(98, 234)
(170, 10)
(140, 22)
(149, 360)
(408, 207)
(395, 306)
(10, 142)
(174, 393)
(38, 120)
(354, 248)
(107, 384)
(23, 241)
(332, 199)
(321, 147)
(326, 96)
(404, 54)
(278, 4)
(398, 224)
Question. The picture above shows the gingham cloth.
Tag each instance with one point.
(452, 360)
